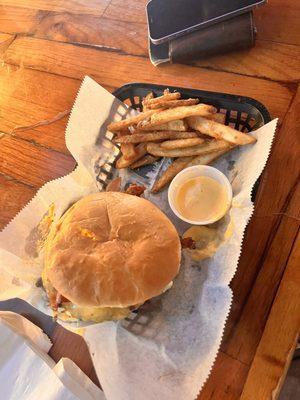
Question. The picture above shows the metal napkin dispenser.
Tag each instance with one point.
(236, 33)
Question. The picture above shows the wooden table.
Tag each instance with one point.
(46, 48)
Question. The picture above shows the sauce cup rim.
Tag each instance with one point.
(203, 170)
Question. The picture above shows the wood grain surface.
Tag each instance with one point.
(279, 21)
(47, 47)
(5, 41)
(93, 7)
(127, 33)
(276, 346)
(113, 69)
(274, 225)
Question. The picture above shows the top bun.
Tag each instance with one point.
(112, 250)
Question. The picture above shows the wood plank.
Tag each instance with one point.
(268, 242)
(14, 196)
(76, 28)
(132, 10)
(270, 60)
(279, 21)
(5, 41)
(246, 333)
(114, 70)
(18, 20)
(27, 97)
(93, 7)
(130, 38)
(267, 59)
(226, 379)
(31, 164)
(274, 352)
(73, 346)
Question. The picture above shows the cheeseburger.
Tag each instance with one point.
(107, 255)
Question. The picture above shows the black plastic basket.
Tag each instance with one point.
(242, 113)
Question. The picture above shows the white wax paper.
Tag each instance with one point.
(166, 351)
(26, 370)
(74, 379)
(23, 327)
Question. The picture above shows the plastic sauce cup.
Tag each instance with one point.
(193, 172)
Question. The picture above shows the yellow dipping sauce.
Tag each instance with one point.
(201, 198)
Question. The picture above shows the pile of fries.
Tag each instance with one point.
(186, 130)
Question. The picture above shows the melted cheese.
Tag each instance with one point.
(88, 234)
(70, 311)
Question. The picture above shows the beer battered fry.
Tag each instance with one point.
(208, 158)
(141, 150)
(172, 114)
(218, 117)
(148, 97)
(184, 162)
(173, 169)
(146, 160)
(205, 148)
(179, 125)
(173, 103)
(219, 131)
(181, 143)
(128, 150)
(167, 96)
(155, 136)
(120, 125)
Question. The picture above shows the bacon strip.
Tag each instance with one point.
(188, 243)
(135, 190)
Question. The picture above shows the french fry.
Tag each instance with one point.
(173, 103)
(120, 125)
(202, 149)
(128, 150)
(181, 143)
(208, 158)
(124, 132)
(147, 159)
(177, 125)
(172, 114)
(167, 96)
(148, 97)
(184, 162)
(219, 131)
(218, 117)
(154, 136)
(173, 169)
(141, 150)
